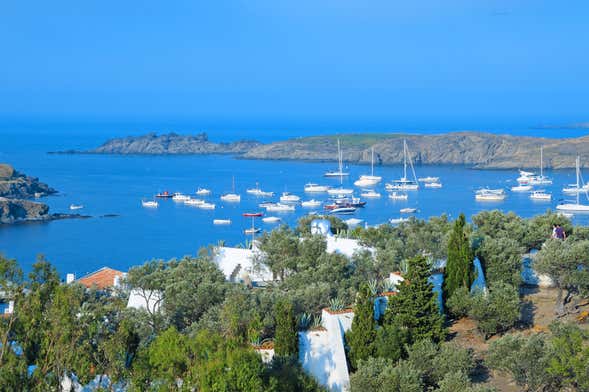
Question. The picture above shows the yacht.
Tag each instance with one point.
(343, 211)
(252, 230)
(180, 197)
(340, 171)
(521, 188)
(150, 203)
(221, 221)
(203, 192)
(76, 207)
(258, 192)
(404, 184)
(576, 206)
(408, 210)
(311, 203)
(231, 197)
(531, 178)
(366, 180)
(316, 188)
(540, 195)
(289, 198)
(206, 206)
(165, 195)
(271, 219)
(370, 194)
(574, 189)
(490, 195)
(398, 196)
(279, 207)
(193, 202)
(429, 179)
(435, 185)
(340, 191)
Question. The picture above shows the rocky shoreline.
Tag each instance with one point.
(476, 150)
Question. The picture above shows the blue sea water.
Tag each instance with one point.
(116, 185)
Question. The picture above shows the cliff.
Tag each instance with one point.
(17, 185)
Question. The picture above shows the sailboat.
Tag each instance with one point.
(340, 171)
(404, 184)
(530, 178)
(258, 192)
(231, 197)
(369, 180)
(575, 207)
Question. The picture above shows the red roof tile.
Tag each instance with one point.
(103, 278)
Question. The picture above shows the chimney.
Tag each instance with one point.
(70, 278)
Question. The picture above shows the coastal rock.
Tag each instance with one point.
(20, 186)
(172, 144)
(16, 210)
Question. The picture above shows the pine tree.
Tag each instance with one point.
(363, 333)
(286, 339)
(414, 310)
(459, 266)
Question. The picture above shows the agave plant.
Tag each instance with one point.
(373, 287)
(305, 321)
(317, 322)
(403, 266)
(336, 304)
(388, 286)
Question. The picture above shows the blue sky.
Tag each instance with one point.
(418, 63)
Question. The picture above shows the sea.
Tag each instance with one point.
(121, 233)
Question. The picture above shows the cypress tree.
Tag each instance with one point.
(414, 310)
(459, 266)
(363, 333)
(286, 339)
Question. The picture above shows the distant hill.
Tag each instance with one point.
(473, 149)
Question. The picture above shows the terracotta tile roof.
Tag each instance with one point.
(103, 278)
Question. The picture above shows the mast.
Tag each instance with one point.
(340, 163)
(541, 162)
(578, 189)
(233, 183)
(404, 159)
(372, 163)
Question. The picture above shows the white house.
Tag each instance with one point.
(239, 265)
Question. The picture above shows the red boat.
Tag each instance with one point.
(164, 195)
(252, 214)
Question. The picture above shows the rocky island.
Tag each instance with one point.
(472, 149)
(15, 189)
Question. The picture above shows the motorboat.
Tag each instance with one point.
(76, 206)
(340, 171)
(311, 203)
(353, 222)
(206, 206)
(340, 191)
(540, 195)
(165, 195)
(575, 206)
(531, 178)
(398, 196)
(408, 210)
(521, 188)
(354, 202)
(428, 179)
(258, 192)
(370, 194)
(231, 197)
(289, 198)
(574, 189)
(252, 214)
(404, 183)
(279, 207)
(396, 221)
(271, 219)
(221, 221)
(265, 204)
(343, 211)
(150, 203)
(369, 180)
(180, 197)
(434, 185)
(193, 202)
(316, 188)
(252, 230)
(490, 195)
(203, 192)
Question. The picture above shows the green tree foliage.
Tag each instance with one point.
(304, 224)
(501, 259)
(415, 308)
(539, 228)
(497, 310)
(286, 342)
(381, 375)
(390, 342)
(569, 356)
(567, 264)
(496, 224)
(362, 336)
(459, 266)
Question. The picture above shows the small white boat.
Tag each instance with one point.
(540, 195)
(231, 197)
(404, 183)
(76, 207)
(521, 188)
(289, 198)
(398, 196)
(311, 203)
(315, 188)
(435, 185)
(408, 210)
(353, 222)
(258, 192)
(271, 219)
(206, 206)
(193, 202)
(573, 189)
(221, 221)
(340, 171)
(365, 182)
(340, 191)
(279, 207)
(252, 230)
(342, 211)
(265, 204)
(429, 179)
(180, 197)
(370, 194)
(575, 206)
(149, 204)
(203, 191)
(396, 221)
(490, 195)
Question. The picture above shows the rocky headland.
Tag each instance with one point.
(15, 190)
(472, 149)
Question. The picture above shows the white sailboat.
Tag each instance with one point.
(180, 197)
(540, 195)
(279, 207)
(221, 221)
(366, 180)
(577, 206)
(311, 203)
(149, 204)
(521, 188)
(289, 198)
(398, 196)
(404, 184)
(311, 187)
(370, 194)
(435, 185)
(194, 202)
(530, 178)
(203, 191)
(231, 197)
(258, 192)
(340, 171)
(490, 195)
